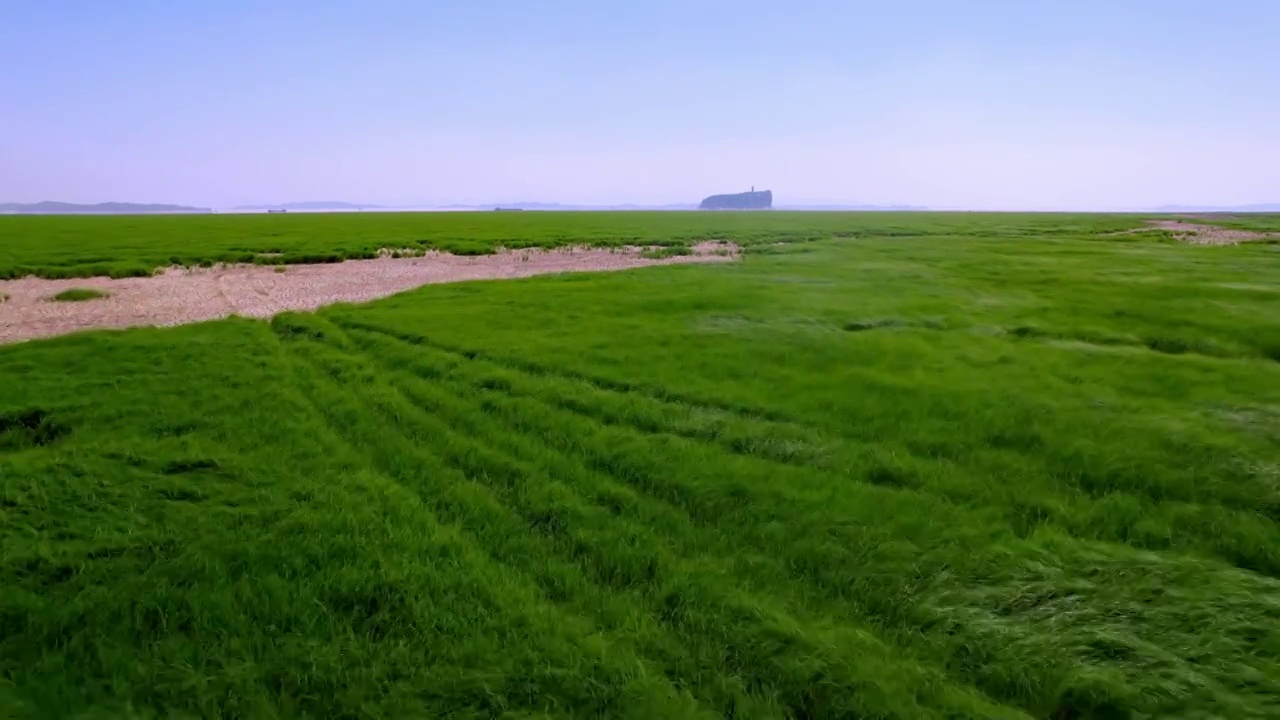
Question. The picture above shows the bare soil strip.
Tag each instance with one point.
(186, 295)
(1199, 234)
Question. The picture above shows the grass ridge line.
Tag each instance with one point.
(603, 523)
(653, 391)
(465, 511)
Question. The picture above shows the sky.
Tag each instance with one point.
(979, 104)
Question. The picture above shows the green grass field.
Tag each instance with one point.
(902, 466)
(123, 246)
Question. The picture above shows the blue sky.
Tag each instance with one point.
(993, 104)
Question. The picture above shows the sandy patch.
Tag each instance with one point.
(186, 295)
(1199, 234)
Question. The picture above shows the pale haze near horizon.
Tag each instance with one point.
(981, 105)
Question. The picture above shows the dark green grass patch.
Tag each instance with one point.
(667, 252)
(957, 473)
(79, 295)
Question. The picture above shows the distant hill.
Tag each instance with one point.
(761, 200)
(566, 206)
(107, 208)
(1262, 208)
(312, 205)
(857, 208)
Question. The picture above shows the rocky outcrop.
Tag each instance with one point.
(762, 200)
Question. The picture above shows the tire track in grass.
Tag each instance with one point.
(527, 403)
(570, 519)
(1050, 670)
(786, 442)
(469, 509)
(598, 485)
(526, 444)
(652, 391)
(601, 682)
(755, 637)
(974, 652)
(614, 494)
(641, 461)
(802, 446)
(894, 468)
(478, 506)
(780, 422)
(468, 407)
(1046, 671)
(863, 462)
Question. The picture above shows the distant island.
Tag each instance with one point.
(1262, 208)
(311, 205)
(835, 207)
(550, 206)
(753, 200)
(107, 208)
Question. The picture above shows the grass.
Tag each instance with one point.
(79, 295)
(977, 472)
(124, 246)
(669, 251)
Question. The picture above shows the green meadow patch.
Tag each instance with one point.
(138, 245)
(925, 467)
(79, 295)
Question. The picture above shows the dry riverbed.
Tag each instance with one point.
(186, 295)
(1202, 234)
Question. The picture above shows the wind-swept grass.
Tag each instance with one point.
(967, 474)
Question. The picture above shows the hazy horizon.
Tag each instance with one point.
(982, 105)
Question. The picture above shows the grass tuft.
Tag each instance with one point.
(667, 251)
(79, 295)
